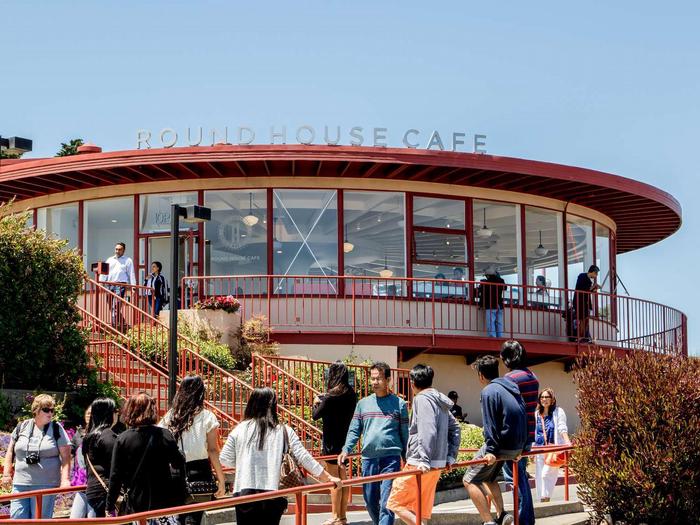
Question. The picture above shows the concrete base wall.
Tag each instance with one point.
(453, 373)
(388, 354)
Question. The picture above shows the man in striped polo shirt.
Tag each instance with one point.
(381, 419)
(515, 358)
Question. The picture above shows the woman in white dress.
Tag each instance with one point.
(550, 429)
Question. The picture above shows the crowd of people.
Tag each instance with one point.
(139, 462)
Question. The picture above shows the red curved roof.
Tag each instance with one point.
(644, 214)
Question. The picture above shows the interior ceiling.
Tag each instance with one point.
(643, 214)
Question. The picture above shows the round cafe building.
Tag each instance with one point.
(376, 251)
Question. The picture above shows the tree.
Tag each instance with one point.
(70, 149)
(41, 345)
(5, 155)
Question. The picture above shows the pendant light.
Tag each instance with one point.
(347, 246)
(250, 219)
(386, 272)
(484, 231)
(541, 251)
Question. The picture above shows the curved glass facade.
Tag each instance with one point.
(327, 232)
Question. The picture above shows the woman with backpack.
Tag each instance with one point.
(40, 451)
(257, 448)
(195, 430)
(98, 446)
(158, 294)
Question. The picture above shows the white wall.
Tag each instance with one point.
(388, 354)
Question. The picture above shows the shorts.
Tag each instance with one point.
(483, 473)
(404, 492)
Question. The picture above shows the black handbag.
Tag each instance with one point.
(199, 478)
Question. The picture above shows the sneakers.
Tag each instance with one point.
(506, 518)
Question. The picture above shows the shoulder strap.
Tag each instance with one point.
(544, 430)
(99, 478)
(143, 457)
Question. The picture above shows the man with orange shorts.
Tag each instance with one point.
(433, 442)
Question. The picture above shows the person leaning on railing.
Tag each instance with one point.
(335, 408)
(195, 430)
(256, 448)
(40, 451)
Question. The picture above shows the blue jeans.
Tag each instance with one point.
(494, 322)
(81, 508)
(376, 494)
(526, 511)
(25, 509)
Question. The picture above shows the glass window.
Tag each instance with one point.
(496, 240)
(305, 237)
(438, 213)
(579, 247)
(602, 256)
(60, 222)
(107, 222)
(29, 224)
(545, 256)
(236, 236)
(440, 247)
(155, 211)
(374, 233)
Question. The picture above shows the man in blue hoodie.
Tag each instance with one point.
(433, 443)
(505, 438)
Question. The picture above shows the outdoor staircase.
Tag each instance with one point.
(127, 345)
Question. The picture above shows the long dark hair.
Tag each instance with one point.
(262, 409)
(101, 418)
(338, 379)
(188, 402)
(552, 407)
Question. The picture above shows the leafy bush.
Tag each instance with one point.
(151, 342)
(217, 353)
(472, 437)
(40, 342)
(638, 446)
(91, 389)
(6, 413)
(255, 339)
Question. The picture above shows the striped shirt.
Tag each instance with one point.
(529, 388)
(383, 424)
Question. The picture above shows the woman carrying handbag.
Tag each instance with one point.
(265, 453)
(195, 430)
(550, 429)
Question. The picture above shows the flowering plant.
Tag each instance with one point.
(227, 303)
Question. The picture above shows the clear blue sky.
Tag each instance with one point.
(613, 86)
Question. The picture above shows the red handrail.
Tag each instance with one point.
(436, 307)
(298, 492)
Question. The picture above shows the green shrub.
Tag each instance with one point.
(91, 389)
(151, 342)
(638, 446)
(472, 437)
(40, 342)
(217, 353)
(6, 413)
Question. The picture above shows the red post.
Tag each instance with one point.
(515, 492)
(297, 509)
(419, 502)
(39, 506)
(566, 476)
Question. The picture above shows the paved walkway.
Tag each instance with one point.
(463, 512)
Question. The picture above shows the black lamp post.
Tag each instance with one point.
(193, 214)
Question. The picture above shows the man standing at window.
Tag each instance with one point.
(583, 301)
(491, 300)
(382, 421)
(121, 270)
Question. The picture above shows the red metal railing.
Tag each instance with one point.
(147, 337)
(300, 494)
(313, 374)
(437, 307)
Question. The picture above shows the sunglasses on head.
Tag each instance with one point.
(47, 410)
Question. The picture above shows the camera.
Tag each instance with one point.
(32, 458)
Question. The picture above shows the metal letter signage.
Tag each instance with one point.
(307, 135)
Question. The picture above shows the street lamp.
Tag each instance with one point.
(191, 214)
